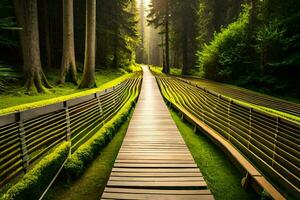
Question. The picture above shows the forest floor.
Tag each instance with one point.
(16, 99)
(220, 174)
(92, 183)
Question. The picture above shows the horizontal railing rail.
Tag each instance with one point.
(271, 143)
(252, 97)
(26, 136)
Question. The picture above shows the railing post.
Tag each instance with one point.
(275, 140)
(228, 118)
(68, 138)
(99, 104)
(250, 127)
(25, 157)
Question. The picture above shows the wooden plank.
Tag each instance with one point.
(143, 191)
(153, 151)
(156, 170)
(151, 165)
(141, 147)
(155, 155)
(156, 179)
(168, 157)
(157, 174)
(154, 161)
(153, 184)
(155, 196)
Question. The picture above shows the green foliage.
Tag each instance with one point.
(260, 50)
(93, 181)
(36, 180)
(8, 76)
(222, 57)
(16, 101)
(79, 161)
(117, 30)
(7, 22)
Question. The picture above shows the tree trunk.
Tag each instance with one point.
(88, 79)
(116, 47)
(185, 59)
(47, 34)
(166, 69)
(28, 18)
(19, 12)
(115, 61)
(68, 64)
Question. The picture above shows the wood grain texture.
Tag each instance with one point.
(154, 161)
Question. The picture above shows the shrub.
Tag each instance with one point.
(223, 56)
(36, 180)
(78, 161)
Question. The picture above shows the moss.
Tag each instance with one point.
(56, 97)
(158, 70)
(95, 177)
(85, 154)
(269, 110)
(36, 180)
(216, 87)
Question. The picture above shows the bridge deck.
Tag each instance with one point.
(154, 161)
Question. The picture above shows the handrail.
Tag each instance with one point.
(271, 144)
(262, 100)
(26, 136)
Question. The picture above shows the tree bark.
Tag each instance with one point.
(68, 64)
(116, 47)
(47, 34)
(185, 59)
(19, 12)
(27, 15)
(166, 68)
(88, 79)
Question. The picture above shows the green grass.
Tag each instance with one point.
(222, 177)
(92, 183)
(16, 101)
(214, 87)
(269, 110)
(158, 70)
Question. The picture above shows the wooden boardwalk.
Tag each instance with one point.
(154, 162)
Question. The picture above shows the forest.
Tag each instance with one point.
(149, 99)
(44, 37)
(253, 44)
(249, 43)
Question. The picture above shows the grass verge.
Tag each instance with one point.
(18, 101)
(92, 183)
(222, 177)
(85, 154)
(158, 70)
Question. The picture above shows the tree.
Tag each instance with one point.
(185, 32)
(68, 65)
(27, 15)
(88, 79)
(159, 17)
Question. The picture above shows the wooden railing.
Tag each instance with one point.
(242, 95)
(27, 136)
(271, 143)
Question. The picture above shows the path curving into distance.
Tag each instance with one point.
(154, 161)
